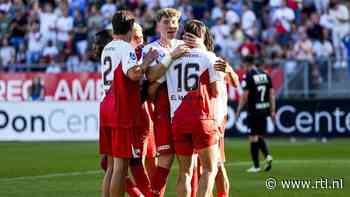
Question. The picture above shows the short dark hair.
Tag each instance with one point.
(198, 28)
(122, 22)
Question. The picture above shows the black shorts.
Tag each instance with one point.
(257, 125)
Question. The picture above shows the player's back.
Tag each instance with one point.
(118, 90)
(258, 83)
(188, 80)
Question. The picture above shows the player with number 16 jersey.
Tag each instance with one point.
(192, 105)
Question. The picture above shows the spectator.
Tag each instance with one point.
(35, 44)
(94, 21)
(314, 28)
(36, 89)
(80, 33)
(282, 19)
(20, 58)
(323, 51)
(4, 24)
(108, 9)
(249, 22)
(5, 5)
(7, 55)
(18, 28)
(53, 67)
(220, 32)
(64, 27)
(340, 15)
(47, 23)
(50, 51)
(321, 6)
(303, 50)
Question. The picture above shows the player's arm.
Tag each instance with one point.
(272, 104)
(224, 66)
(136, 72)
(242, 101)
(157, 71)
(214, 76)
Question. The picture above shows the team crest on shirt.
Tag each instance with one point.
(132, 56)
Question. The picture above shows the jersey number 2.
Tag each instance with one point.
(184, 76)
(107, 61)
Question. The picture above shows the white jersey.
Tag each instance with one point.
(161, 51)
(116, 53)
(188, 80)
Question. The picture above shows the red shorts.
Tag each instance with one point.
(123, 143)
(188, 138)
(151, 146)
(105, 140)
(140, 143)
(162, 134)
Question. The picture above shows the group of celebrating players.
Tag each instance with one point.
(163, 99)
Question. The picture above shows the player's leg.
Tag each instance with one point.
(165, 150)
(262, 144)
(105, 147)
(183, 184)
(119, 174)
(254, 153)
(161, 174)
(136, 164)
(208, 160)
(106, 183)
(195, 176)
(253, 140)
(122, 151)
(221, 180)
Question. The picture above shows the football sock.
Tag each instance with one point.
(263, 146)
(222, 194)
(131, 188)
(140, 176)
(159, 181)
(194, 182)
(254, 151)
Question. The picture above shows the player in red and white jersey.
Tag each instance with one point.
(120, 102)
(167, 25)
(192, 89)
(230, 78)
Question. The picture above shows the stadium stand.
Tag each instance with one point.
(55, 36)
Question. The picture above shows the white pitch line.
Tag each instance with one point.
(227, 164)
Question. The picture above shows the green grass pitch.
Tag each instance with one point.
(71, 169)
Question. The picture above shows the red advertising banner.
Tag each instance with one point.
(61, 86)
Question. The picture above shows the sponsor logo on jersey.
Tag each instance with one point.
(132, 56)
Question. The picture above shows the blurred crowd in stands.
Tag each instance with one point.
(55, 35)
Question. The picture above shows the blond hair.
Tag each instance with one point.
(167, 13)
(137, 27)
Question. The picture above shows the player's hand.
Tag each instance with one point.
(193, 41)
(150, 56)
(222, 66)
(273, 117)
(179, 51)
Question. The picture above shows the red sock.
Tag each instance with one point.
(159, 181)
(131, 188)
(194, 182)
(222, 194)
(141, 179)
